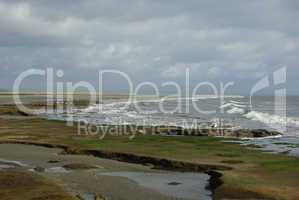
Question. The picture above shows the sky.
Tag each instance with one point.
(151, 40)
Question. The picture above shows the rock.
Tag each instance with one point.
(250, 133)
(172, 131)
(255, 133)
(174, 183)
(263, 133)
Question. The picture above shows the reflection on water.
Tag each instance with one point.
(177, 185)
(285, 144)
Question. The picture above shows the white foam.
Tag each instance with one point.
(235, 107)
(226, 105)
(264, 117)
(275, 121)
(90, 108)
(216, 96)
(238, 105)
(237, 102)
(194, 98)
(13, 162)
(236, 110)
(108, 107)
(262, 138)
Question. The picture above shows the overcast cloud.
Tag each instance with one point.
(151, 40)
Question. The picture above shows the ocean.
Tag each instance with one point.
(230, 111)
(236, 112)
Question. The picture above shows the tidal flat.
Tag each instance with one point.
(244, 173)
(90, 175)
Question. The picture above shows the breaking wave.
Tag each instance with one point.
(234, 107)
(236, 110)
(275, 121)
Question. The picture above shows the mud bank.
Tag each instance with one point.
(156, 163)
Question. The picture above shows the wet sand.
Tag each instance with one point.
(112, 179)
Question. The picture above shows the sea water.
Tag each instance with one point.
(236, 112)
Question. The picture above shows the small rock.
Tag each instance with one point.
(174, 183)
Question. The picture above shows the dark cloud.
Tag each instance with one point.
(151, 38)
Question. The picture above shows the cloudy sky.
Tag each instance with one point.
(151, 40)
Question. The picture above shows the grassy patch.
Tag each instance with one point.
(27, 186)
(254, 173)
(9, 110)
